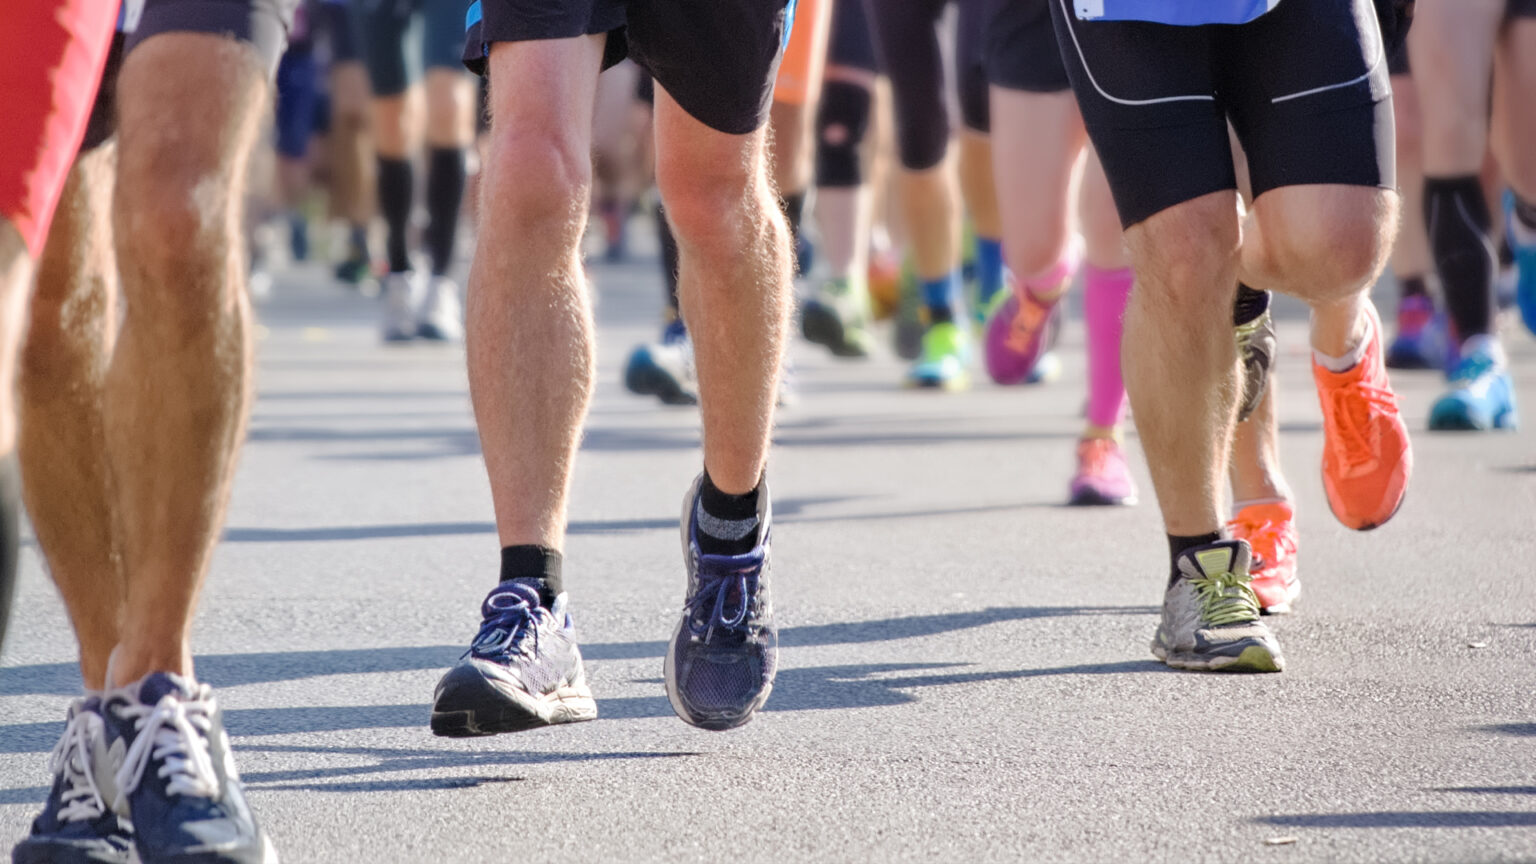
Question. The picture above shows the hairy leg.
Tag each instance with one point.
(178, 391)
(734, 283)
(61, 387)
(529, 339)
(1180, 359)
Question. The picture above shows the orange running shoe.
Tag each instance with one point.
(1270, 530)
(1367, 456)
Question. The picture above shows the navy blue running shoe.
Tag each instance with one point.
(178, 778)
(522, 671)
(77, 823)
(719, 668)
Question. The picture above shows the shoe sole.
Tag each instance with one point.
(1093, 498)
(480, 708)
(1370, 526)
(821, 327)
(1253, 659)
(650, 380)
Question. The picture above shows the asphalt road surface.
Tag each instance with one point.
(965, 671)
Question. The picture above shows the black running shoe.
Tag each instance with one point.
(1256, 348)
(720, 664)
(178, 777)
(522, 671)
(77, 823)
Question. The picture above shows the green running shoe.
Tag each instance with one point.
(838, 318)
(1211, 615)
(944, 360)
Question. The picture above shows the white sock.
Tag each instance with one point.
(1351, 358)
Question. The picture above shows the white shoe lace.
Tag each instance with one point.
(81, 799)
(175, 731)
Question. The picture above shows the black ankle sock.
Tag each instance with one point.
(538, 563)
(10, 534)
(668, 258)
(794, 209)
(396, 186)
(727, 524)
(1456, 214)
(1250, 304)
(1412, 286)
(1178, 545)
(445, 195)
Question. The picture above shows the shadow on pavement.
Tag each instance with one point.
(789, 511)
(1519, 730)
(1489, 790)
(233, 670)
(1407, 819)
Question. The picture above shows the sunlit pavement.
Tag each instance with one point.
(965, 671)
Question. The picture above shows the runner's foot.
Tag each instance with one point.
(1481, 396)
(720, 665)
(1367, 457)
(1270, 531)
(523, 670)
(1103, 478)
(1211, 616)
(177, 775)
(945, 356)
(77, 823)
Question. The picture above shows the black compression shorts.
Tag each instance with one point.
(261, 23)
(1305, 87)
(1020, 48)
(717, 58)
(907, 43)
(852, 45)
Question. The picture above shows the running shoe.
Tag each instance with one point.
(78, 823)
(355, 270)
(1522, 242)
(402, 297)
(1211, 616)
(884, 282)
(177, 777)
(440, 318)
(838, 318)
(1367, 457)
(1103, 478)
(720, 664)
(1019, 329)
(911, 315)
(664, 369)
(1256, 348)
(946, 354)
(1481, 396)
(1420, 340)
(522, 671)
(1270, 531)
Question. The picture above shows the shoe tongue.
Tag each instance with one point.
(510, 594)
(157, 685)
(1227, 556)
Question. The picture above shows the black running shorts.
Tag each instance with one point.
(1021, 51)
(1305, 87)
(262, 23)
(717, 58)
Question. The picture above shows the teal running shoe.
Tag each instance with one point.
(944, 360)
(1481, 397)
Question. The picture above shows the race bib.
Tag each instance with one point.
(1180, 13)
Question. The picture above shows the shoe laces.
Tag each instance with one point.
(1269, 539)
(173, 732)
(510, 628)
(723, 601)
(1028, 322)
(1225, 598)
(81, 799)
(1098, 457)
(1352, 407)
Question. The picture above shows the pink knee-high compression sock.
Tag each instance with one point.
(1104, 296)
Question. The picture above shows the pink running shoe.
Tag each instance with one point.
(1019, 330)
(1103, 478)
